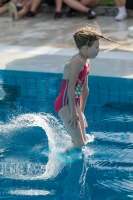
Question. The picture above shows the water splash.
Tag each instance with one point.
(58, 142)
(54, 131)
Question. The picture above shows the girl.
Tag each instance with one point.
(75, 84)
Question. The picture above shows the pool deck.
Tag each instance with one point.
(44, 44)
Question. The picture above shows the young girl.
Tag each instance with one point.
(75, 84)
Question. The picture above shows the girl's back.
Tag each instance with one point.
(75, 62)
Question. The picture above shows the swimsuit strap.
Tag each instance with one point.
(70, 59)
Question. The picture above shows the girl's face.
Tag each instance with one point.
(93, 50)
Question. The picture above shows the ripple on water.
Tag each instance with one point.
(118, 185)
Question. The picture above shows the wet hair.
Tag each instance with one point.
(88, 35)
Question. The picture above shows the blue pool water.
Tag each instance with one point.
(33, 164)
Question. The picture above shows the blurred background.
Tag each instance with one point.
(36, 23)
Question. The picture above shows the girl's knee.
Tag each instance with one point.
(94, 3)
(14, 1)
(90, 3)
(28, 5)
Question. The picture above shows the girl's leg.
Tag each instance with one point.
(4, 8)
(76, 5)
(24, 2)
(35, 4)
(82, 122)
(120, 3)
(58, 5)
(76, 134)
(58, 9)
(90, 3)
(25, 9)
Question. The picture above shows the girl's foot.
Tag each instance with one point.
(91, 14)
(13, 11)
(58, 15)
(122, 13)
(31, 14)
(71, 13)
(121, 16)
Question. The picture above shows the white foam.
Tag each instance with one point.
(31, 192)
(58, 140)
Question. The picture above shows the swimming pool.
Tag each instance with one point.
(33, 164)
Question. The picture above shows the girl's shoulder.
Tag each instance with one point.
(76, 61)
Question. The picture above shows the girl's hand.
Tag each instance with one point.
(74, 120)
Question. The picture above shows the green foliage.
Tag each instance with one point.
(106, 3)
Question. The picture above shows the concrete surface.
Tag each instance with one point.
(49, 43)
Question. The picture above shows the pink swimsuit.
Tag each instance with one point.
(62, 100)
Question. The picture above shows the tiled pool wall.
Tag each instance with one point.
(30, 86)
(110, 89)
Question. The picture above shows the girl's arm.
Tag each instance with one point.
(76, 68)
(84, 95)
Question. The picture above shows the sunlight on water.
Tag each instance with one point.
(2, 93)
(115, 137)
(120, 118)
(31, 192)
(118, 185)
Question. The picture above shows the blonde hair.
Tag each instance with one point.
(87, 35)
